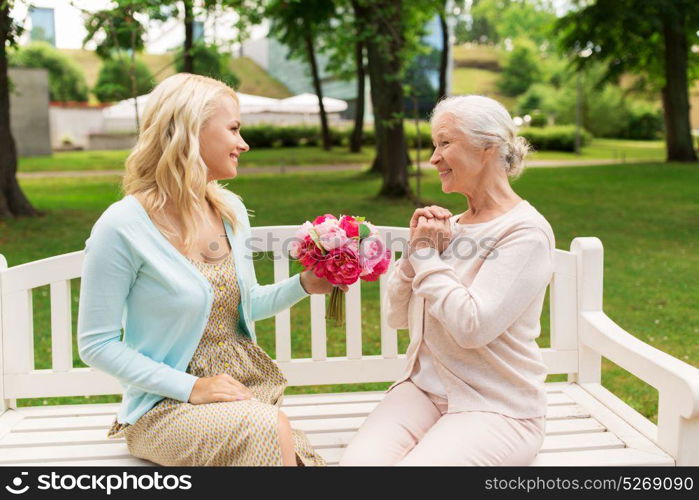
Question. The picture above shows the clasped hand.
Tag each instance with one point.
(430, 227)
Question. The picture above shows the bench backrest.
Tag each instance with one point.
(20, 379)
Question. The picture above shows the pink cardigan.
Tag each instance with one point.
(477, 307)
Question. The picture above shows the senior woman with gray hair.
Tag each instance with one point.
(470, 289)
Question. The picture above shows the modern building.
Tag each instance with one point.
(274, 57)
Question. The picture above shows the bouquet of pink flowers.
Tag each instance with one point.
(342, 251)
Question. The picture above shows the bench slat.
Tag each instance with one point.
(295, 413)
(332, 442)
(61, 327)
(602, 458)
(389, 336)
(353, 320)
(585, 426)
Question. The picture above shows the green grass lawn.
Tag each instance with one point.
(114, 160)
(290, 157)
(645, 215)
(480, 81)
(613, 149)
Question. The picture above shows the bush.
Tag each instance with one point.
(66, 79)
(539, 119)
(606, 112)
(521, 68)
(556, 138)
(644, 123)
(209, 61)
(114, 80)
(411, 135)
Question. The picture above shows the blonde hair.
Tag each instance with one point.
(165, 165)
(486, 122)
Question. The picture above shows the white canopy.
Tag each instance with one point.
(308, 103)
(125, 108)
(302, 104)
(255, 103)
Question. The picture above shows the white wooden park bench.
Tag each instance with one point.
(586, 424)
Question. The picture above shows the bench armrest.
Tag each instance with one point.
(653, 366)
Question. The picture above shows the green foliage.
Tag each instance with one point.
(210, 61)
(538, 119)
(294, 22)
(606, 110)
(66, 79)
(498, 20)
(271, 136)
(117, 29)
(114, 80)
(627, 35)
(521, 69)
(644, 122)
(555, 138)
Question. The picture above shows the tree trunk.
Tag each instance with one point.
(311, 53)
(675, 93)
(188, 57)
(444, 60)
(13, 203)
(358, 132)
(387, 97)
(134, 88)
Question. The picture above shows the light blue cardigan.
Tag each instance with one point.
(134, 278)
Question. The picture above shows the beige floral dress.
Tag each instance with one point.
(222, 433)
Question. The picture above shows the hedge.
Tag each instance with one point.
(558, 138)
(554, 138)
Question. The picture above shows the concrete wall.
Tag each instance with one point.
(29, 111)
(111, 142)
(74, 124)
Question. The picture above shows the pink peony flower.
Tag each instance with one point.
(330, 234)
(299, 242)
(310, 254)
(322, 218)
(333, 239)
(350, 225)
(340, 266)
(380, 268)
(371, 251)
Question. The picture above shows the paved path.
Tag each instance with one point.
(316, 168)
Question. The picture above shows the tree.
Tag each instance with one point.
(66, 79)
(13, 202)
(121, 32)
(298, 24)
(510, 19)
(394, 29)
(650, 38)
(209, 61)
(444, 55)
(118, 28)
(345, 50)
(114, 82)
(521, 68)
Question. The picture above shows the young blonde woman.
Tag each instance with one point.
(169, 263)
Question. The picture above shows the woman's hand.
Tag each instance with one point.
(429, 227)
(313, 284)
(221, 387)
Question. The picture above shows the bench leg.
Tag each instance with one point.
(677, 435)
